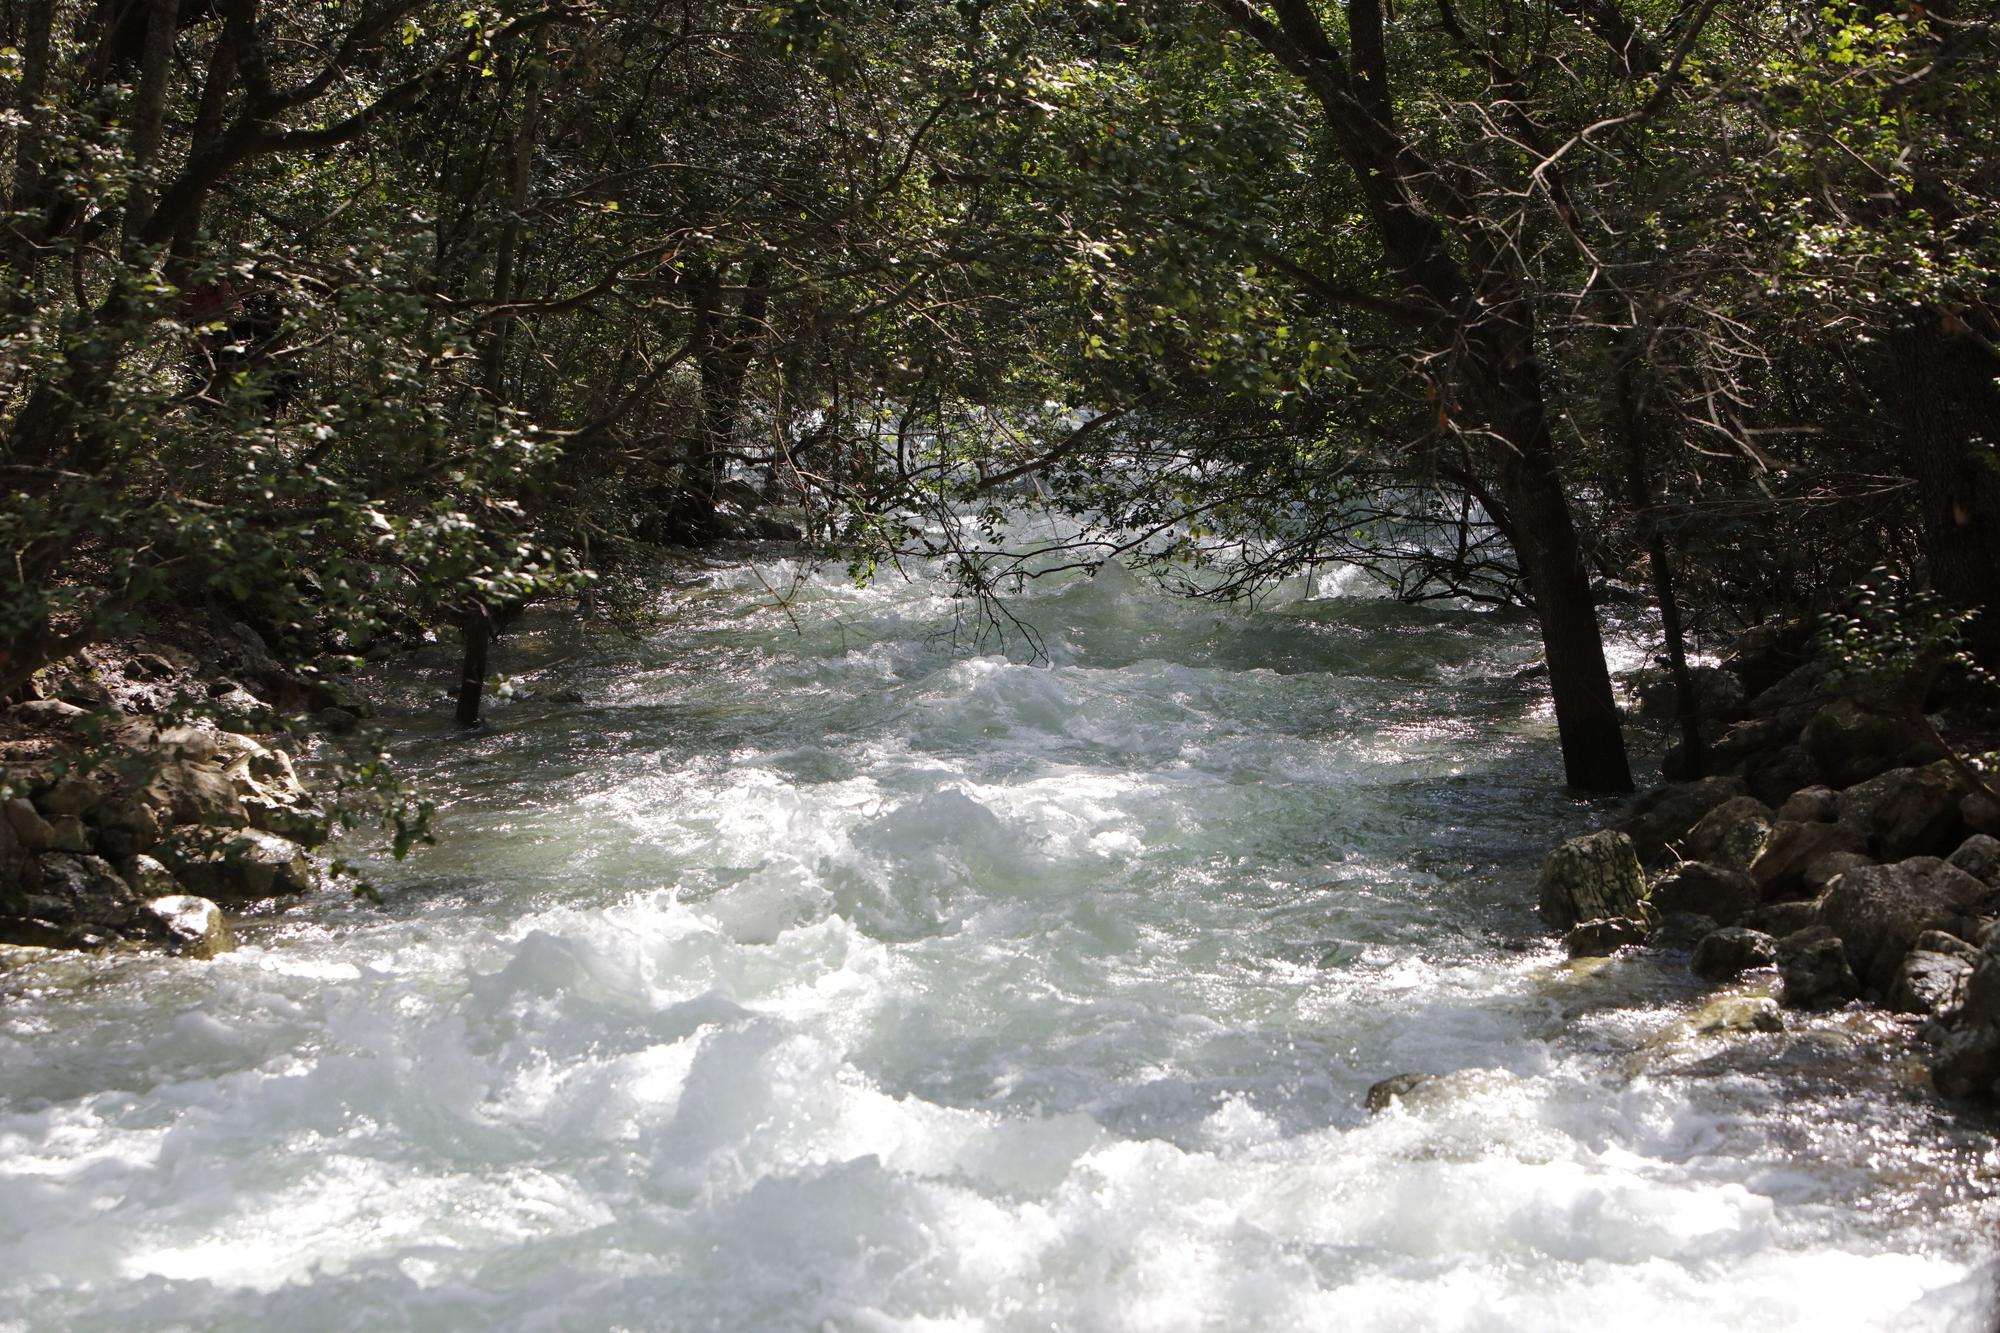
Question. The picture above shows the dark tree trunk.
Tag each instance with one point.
(478, 626)
(1948, 403)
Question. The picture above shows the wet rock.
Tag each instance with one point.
(1738, 1013)
(82, 888)
(248, 865)
(1591, 877)
(1701, 889)
(1851, 743)
(1905, 812)
(1979, 857)
(1732, 834)
(1781, 919)
(1928, 983)
(1780, 868)
(189, 926)
(1810, 805)
(567, 697)
(1879, 911)
(150, 879)
(1967, 1063)
(1732, 951)
(1663, 817)
(1603, 937)
(1383, 1094)
(1681, 931)
(1813, 970)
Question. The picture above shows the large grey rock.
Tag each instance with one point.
(1879, 911)
(82, 888)
(1732, 951)
(1662, 818)
(1850, 743)
(196, 791)
(1731, 835)
(1590, 877)
(1706, 890)
(1905, 812)
(1792, 848)
(1813, 969)
(248, 865)
(190, 926)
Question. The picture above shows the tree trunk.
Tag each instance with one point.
(478, 627)
(1949, 406)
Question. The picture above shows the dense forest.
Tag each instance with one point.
(343, 340)
(369, 319)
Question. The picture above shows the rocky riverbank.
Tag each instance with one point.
(150, 793)
(1834, 846)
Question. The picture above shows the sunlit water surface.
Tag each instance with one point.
(821, 971)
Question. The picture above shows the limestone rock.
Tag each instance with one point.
(1793, 847)
(1813, 969)
(1928, 983)
(1851, 744)
(1732, 951)
(1661, 818)
(250, 864)
(1732, 834)
(1706, 890)
(1591, 877)
(1879, 911)
(190, 926)
(196, 792)
(1603, 937)
(1811, 805)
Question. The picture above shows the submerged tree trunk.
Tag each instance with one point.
(477, 624)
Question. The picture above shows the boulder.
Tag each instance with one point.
(1706, 890)
(191, 791)
(1850, 743)
(189, 926)
(1979, 857)
(72, 796)
(150, 879)
(1718, 694)
(81, 888)
(48, 713)
(1967, 1063)
(1905, 812)
(250, 864)
(1748, 740)
(1781, 919)
(1980, 812)
(67, 834)
(1780, 868)
(1388, 1091)
(1813, 969)
(1604, 937)
(1796, 696)
(1731, 835)
(238, 710)
(1824, 869)
(1591, 877)
(1732, 951)
(1663, 817)
(1879, 911)
(1810, 805)
(1928, 983)
(1773, 777)
(32, 831)
(125, 827)
(1681, 931)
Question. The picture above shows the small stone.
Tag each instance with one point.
(1383, 1094)
(1732, 951)
(193, 927)
(1603, 937)
(48, 713)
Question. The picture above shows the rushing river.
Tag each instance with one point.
(819, 972)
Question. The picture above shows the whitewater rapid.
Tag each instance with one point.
(826, 970)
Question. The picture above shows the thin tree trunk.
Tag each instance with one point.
(478, 627)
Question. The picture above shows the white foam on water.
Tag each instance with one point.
(857, 981)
